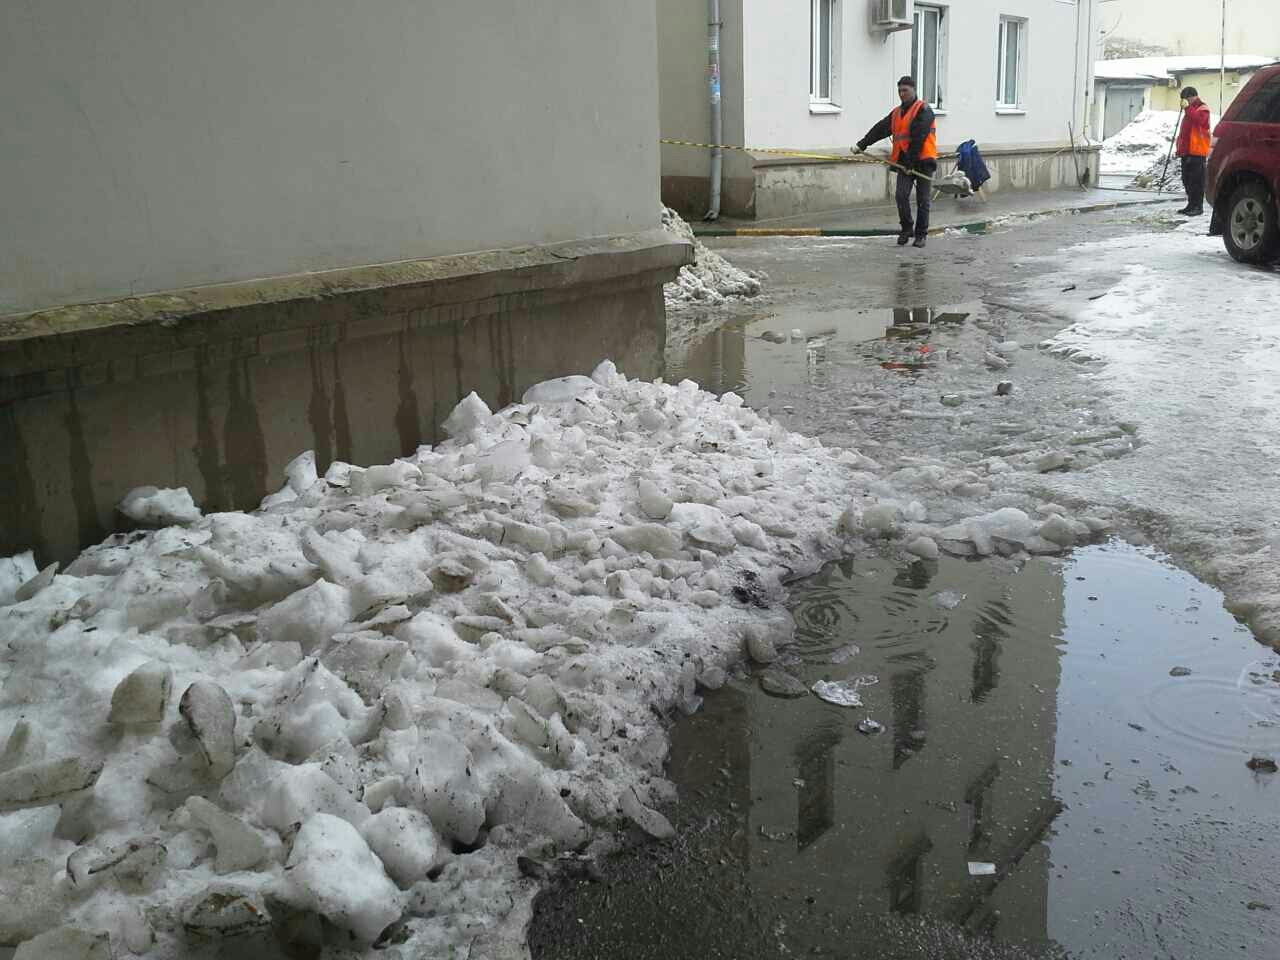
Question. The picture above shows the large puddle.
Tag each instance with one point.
(1062, 768)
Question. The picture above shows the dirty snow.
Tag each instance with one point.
(367, 699)
(1140, 143)
(1187, 343)
(710, 279)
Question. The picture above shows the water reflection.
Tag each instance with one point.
(1033, 727)
(760, 357)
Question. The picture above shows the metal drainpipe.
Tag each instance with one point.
(713, 77)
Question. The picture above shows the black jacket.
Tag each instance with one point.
(919, 131)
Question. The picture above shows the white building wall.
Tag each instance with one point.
(1058, 75)
(154, 144)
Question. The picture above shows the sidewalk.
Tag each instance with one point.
(971, 213)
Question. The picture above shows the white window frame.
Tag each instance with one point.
(831, 102)
(1020, 66)
(936, 98)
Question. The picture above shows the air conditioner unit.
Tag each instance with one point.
(892, 14)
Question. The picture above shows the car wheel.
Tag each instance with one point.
(1251, 230)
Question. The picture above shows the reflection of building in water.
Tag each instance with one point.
(962, 772)
(718, 361)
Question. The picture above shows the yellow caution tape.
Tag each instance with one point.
(831, 157)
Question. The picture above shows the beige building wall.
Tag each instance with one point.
(151, 144)
(1208, 84)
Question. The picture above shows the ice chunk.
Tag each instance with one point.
(14, 572)
(842, 693)
(947, 599)
(1057, 529)
(36, 784)
(301, 472)
(225, 910)
(37, 583)
(308, 617)
(211, 718)
(924, 547)
(143, 695)
(434, 640)
(780, 684)
(503, 461)
(650, 821)
(367, 661)
(605, 373)
(303, 791)
(881, 519)
(22, 746)
(655, 504)
(760, 646)
(651, 538)
(364, 483)
(470, 413)
(560, 390)
(238, 846)
(158, 507)
(404, 841)
(312, 708)
(66, 943)
(30, 900)
(441, 782)
(332, 871)
(535, 539)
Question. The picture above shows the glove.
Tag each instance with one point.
(859, 148)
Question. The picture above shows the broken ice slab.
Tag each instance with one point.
(979, 869)
(36, 784)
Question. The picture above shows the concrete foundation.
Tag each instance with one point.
(217, 388)
(785, 187)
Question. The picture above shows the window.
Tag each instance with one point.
(1263, 105)
(927, 48)
(824, 57)
(1012, 60)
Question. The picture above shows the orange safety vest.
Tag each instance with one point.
(1198, 143)
(901, 124)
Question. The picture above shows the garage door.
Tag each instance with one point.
(1123, 104)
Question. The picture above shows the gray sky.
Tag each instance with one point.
(1191, 27)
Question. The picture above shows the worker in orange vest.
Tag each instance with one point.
(1193, 149)
(915, 154)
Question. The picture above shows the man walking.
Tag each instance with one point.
(915, 151)
(1193, 149)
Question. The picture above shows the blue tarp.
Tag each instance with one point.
(971, 165)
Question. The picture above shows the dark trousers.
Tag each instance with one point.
(1193, 181)
(924, 199)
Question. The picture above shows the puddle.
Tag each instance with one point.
(763, 359)
(1031, 722)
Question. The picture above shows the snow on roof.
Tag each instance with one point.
(1162, 68)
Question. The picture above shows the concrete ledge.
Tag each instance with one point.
(217, 388)
(478, 283)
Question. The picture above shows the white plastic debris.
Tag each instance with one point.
(980, 869)
(842, 693)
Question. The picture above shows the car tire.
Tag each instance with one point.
(1251, 227)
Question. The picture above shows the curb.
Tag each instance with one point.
(974, 226)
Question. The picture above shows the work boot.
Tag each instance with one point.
(1195, 212)
(903, 238)
(919, 242)
(1185, 210)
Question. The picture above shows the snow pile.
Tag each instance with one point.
(338, 721)
(711, 279)
(1136, 146)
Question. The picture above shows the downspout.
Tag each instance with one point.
(717, 127)
(1222, 63)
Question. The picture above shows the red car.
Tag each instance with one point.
(1243, 180)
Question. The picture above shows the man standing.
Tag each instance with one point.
(1193, 149)
(915, 152)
